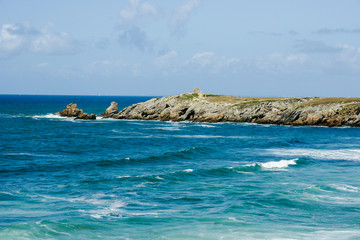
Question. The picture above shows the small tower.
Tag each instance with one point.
(198, 92)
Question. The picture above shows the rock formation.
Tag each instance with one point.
(85, 116)
(199, 107)
(218, 108)
(110, 111)
(71, 110)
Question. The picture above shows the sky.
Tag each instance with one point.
(259, 48)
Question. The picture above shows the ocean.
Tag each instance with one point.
(62, 178)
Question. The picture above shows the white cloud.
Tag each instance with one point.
(349, 55)
(202, 59)
(166, 59)
(311, 47)
(10, 41)
(278, 62)
(107, 67)
(52, 43)
(182, 14)
(15, 38)
(136, 9)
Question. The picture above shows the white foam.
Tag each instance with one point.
(207, 136)
(123, 176)
(115, 209)
(50, 115)
(188, 170)
(275, 165)
(345, 188)
(7, 193)
(4, 115)
(342, 154)
(106, 119)
(52, 230)
(205, 125)
(145, 213)
(28, 154)
(168, 128)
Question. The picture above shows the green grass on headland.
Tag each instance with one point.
(246, 101)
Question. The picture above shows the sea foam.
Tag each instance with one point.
(275, 165)
(343, 154)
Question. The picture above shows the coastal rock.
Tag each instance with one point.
(219, 108)
(71, 110)
(199, 107)
(85, 116)
(111, 110)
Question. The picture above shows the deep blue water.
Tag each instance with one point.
(126, 179)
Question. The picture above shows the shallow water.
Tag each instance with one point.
(127, 179)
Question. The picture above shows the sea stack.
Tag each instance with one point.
(111, 110)
(71, 110)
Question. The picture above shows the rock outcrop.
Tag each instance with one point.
(200, 107)
(218, 108)
(71, 110)
(85, 116)
(111, 110)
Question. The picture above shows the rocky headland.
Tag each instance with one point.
(201, 107)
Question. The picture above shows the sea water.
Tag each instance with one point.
(62, 178)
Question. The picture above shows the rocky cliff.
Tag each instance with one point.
(199, 107)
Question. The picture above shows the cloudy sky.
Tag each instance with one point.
(160, 47)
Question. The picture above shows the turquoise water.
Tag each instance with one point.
(127, 179)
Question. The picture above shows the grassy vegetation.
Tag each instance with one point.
(239, 100)
(247, 101)
(189, 96)
(323, 101)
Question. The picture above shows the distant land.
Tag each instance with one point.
(201, 107)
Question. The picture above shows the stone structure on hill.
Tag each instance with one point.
(198, 92)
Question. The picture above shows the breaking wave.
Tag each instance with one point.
(343, 154)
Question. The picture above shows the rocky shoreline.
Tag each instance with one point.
(200, 107)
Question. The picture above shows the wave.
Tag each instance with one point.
(167, 128)
(5, 115)
(275, 165)
(49, 115)
(342, 154)
(224, 171)
(207, 136)
(345, 188)
(166, 157)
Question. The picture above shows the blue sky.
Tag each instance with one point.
(282, 48)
